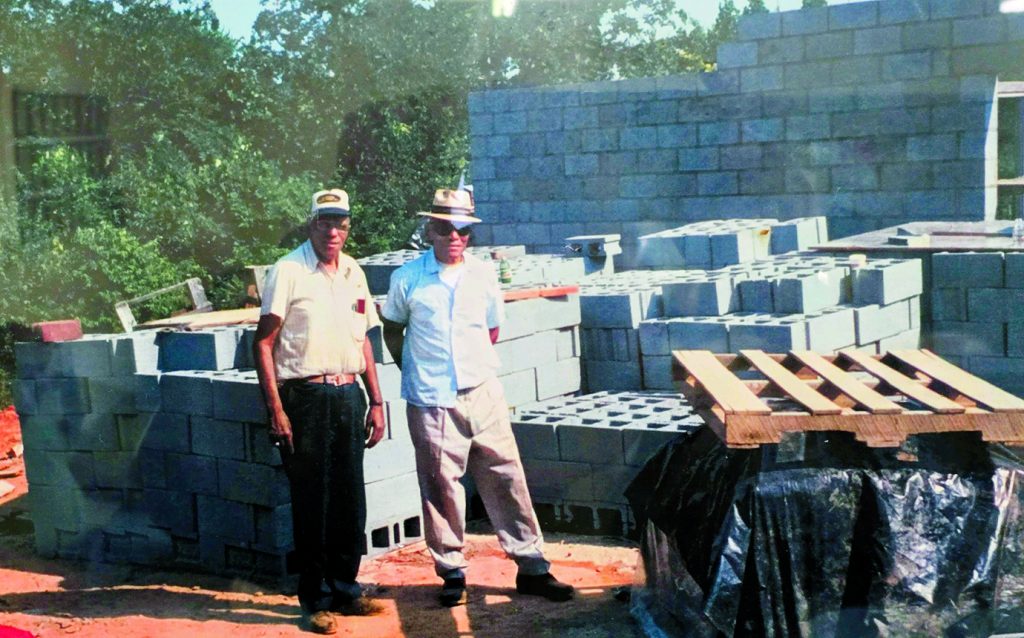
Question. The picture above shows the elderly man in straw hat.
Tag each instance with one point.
(310, 346)
(441, 320)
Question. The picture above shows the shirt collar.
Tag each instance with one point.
(312, 262)
(432, 266)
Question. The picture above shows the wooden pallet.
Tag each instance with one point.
(880, 399)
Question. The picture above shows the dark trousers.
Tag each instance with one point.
(328, 499)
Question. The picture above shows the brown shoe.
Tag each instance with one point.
(361, 606)
(322, 622)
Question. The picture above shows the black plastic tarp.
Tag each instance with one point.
(823, 536)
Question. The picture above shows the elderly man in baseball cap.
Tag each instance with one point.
(441, 320)
(310, 347)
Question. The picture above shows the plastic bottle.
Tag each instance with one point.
(504, 271)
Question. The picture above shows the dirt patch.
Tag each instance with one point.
(62, 598)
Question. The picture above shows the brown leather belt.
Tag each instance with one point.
(326, 379)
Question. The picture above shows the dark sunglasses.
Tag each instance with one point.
(445, 229)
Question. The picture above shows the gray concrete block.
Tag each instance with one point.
(237, 397)
(43, 432)
(388, 459)
(225, 519)
(794, 234)
(831, 330)
(805, 21)
(906, 340)
(658, 373)
(135, 353)
(24, 395)
(643, 440)
(62, 396)
(967, 270)
(736, 54)
(757, 26)
(536, 435)
(699, 333)
(212, 349)
(732, 248)
(612, 375)
(274, 527)
(555, 379)
(1004, 372)
(811, 292)
(147, 393)
(757, 295)
(258, 447)
(853, 16)
(876, 322)
(191, 473)
(975, 31)
(887, 281)
(771, 334)
(90, 432)
(253, 483)
(968, 338)
(520, 387)
(557, 480)
(84, 357)
(1015, 339)
(527, 352)
(699, 298)
(654, 337)
(218, 438)
(903, 12)
(392, 498)
(611, 310)
(152, 468)
(995, 305)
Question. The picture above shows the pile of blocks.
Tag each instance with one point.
(152, 447)
(378, 268)
(581, 453)
(719, 243)
(976, 299)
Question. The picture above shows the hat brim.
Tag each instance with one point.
(456, 219)
(332, 210)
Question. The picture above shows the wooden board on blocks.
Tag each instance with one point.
(879, 399)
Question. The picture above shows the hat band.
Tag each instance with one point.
(457, 210)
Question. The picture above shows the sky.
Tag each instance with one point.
(236, 16)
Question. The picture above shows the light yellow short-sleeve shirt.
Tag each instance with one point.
(325, 316)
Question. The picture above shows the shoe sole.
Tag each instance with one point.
(461, 600)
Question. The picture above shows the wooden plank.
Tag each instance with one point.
(904, 384)
(199, 320)
(847, 383)
(979, 390)
(518, 294)
(726, 390)
(790, 383)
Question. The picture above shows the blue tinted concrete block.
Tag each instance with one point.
(1015, 338)
(611, 310)
(853, 16)
(795, 234)
(769, 334)
(112, 395)
(876, 322)
(258, 447)
(117, 470)
(274, 527)
(643, 439)
(237, 397)
(214, 437)
(654, 336)
(613, 375)
(1014, 275)
(25, 401)
(699, 333)
(165, 431)
(152, 468)
(558, 480)
(757, 295)
(392, 498)
(135, 353)
(147, 393)
(699, 298)
(43, 432)
(737, 54)
(1004, 372)
(171, 510)
(87, 357)
(756, 26)
(658, 373)
(555, 379)
(187, 392)
(91, 432)
(252, 483)
(226, 519)
(996, 305)
(191, 473)
(33, 360)
(213, 349)
(697, 249)
(64, 469)
(967, 270)
(62, 396)
(885, 281)
(731, 248)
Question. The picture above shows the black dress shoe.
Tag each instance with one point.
(453, 592)
(544, 585)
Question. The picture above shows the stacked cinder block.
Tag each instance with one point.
(581, 453)
(378, 268)
(792, 302)
(976, 308)
(152, 448)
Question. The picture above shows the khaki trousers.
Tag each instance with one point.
(475, 435)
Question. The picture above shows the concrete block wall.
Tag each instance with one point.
(868, 114)
(581, 453)
(977, 306)
(133, 457)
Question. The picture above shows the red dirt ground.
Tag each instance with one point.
(62, 598)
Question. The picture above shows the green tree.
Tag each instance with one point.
(755, 6)
(810, 4)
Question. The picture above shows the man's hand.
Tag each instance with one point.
(281, 432)
(374, 425)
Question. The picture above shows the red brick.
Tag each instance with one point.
(63, 330)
